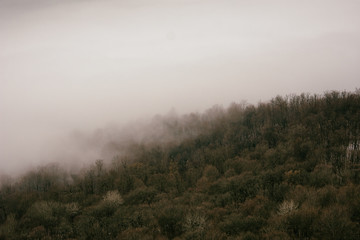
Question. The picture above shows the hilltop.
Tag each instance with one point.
(285, 169)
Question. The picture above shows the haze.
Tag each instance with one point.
(69, 67)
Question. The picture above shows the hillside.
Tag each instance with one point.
(285, 169)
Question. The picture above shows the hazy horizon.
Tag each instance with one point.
(80, 65)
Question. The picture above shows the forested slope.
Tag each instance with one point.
(286, 169)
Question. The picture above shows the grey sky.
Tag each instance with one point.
(84, 64)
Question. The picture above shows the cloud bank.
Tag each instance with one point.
(82, 65)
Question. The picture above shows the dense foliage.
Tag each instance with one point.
(286, 169)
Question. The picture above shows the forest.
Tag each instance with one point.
(288, 168)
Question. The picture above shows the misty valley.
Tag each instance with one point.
(288, 168)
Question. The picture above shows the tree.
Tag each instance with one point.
(170, 221)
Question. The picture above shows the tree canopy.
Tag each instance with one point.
(285, 169)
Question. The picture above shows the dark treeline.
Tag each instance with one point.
(286, 169)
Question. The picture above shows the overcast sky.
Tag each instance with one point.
(70, 65)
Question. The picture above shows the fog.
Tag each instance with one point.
(71, 67)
